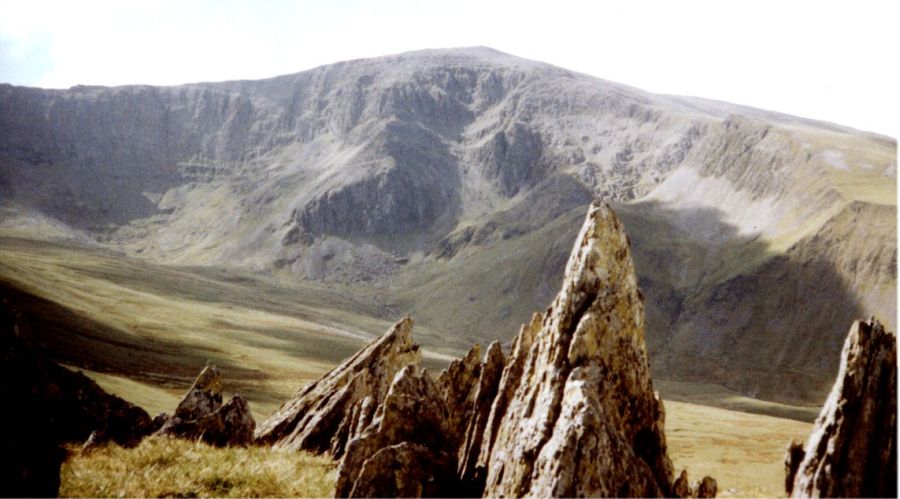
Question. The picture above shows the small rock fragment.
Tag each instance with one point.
(682, 487)
(708, 487)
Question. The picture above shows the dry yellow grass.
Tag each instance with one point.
(162, 467)
(743, 452)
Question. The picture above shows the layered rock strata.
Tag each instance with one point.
(852, 451)
(471, 474)
(404, 452)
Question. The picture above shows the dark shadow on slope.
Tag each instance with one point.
(73, 339)
(721, 308)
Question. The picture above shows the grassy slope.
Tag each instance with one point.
(159, 326)
(162, 467)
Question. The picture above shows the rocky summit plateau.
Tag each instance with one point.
(276, 228)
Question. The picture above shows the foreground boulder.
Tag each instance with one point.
(201, 415)
(43, 406)
(326, 414)
(852, 451)
(582, 418)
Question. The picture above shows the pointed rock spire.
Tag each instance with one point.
(582, 418)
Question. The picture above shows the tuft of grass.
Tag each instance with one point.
(165, 467)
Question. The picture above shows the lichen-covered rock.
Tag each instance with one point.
(852, 451)
(238, 423)
(327, 413)
(159, 420)
(201, 416)
(405, 470)
(706, 487)
(413, 412)
(204, 396)
(472, 475)
(583, 418)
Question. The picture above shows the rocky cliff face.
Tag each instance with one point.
(852, 451)
(420, 171)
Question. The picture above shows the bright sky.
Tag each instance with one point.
(835, 61)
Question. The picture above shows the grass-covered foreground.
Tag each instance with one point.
(162, 467)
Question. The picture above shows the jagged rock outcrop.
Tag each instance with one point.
(682, 486)
(509, 381)
(708, 487)
(571, 412)
(458, 385)
(327, 413)
(471, 474)
(44, 405)
(404, 452)
(201, 414)
(852, 451)
(583, 419)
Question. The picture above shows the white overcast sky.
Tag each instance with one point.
(835, 61)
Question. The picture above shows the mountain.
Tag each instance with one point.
(450, 184)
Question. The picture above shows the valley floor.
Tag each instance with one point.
(144, 331)
(744, 452)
